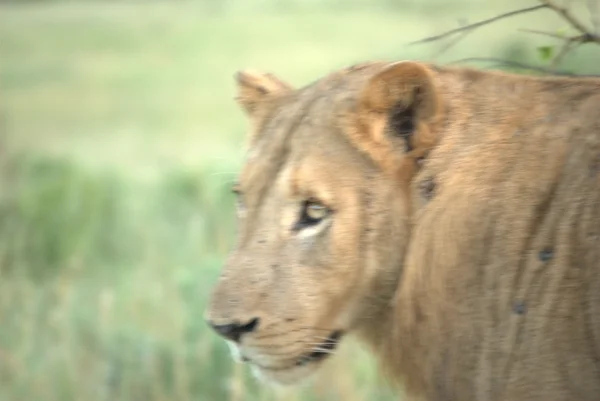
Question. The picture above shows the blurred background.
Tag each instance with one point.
(119, 140)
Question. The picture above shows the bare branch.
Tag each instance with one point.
(594, 9)
(508, 63)
(566, 49)
(569, 45)
(470, 28)
(454, 41)
(587, 35)
(567, 15)
(544, 33)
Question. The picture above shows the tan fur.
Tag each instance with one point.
(466, 253)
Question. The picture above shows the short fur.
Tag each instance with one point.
(464, 243)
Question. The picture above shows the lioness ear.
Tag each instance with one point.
(254, 88)
(404, 94)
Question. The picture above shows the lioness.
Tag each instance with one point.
(449, 217)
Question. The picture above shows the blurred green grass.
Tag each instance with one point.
(118, 141)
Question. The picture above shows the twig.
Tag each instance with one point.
(514, 64)
(453, 43)
(588, 34)
(594, 9)
(569, 45)
(544, 33)
(566, 49)
(471, 27)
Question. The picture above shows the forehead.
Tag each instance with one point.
(307, 124)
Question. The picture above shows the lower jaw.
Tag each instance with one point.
(303, 368)
(289, 376)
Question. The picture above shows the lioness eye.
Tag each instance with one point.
(312, 213)
(315, 211)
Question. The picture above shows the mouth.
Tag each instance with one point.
(301, 367)
(322, 351)
(319, 353)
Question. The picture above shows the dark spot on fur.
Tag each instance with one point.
(261, 241)
(419, 316)
(520, 308)
(427, 188)
(595, 166)
(290, 319)
(420, 161)
(275, 266)
(546, 254)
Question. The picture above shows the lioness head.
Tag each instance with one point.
(324, 206)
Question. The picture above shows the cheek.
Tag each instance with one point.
(320, 268)
(385, 243)
(345, 251)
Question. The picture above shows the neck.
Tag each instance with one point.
(411, 332)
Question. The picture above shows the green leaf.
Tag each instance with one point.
(546, 52)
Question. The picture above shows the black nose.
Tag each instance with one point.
(234, 331)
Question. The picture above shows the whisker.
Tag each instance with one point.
(300, 352)
(288, 332)
(299, 327)
(267, 353)
(284, 346)
(255, 344)
(323, 350)
(314, 344)
(321, 328)
(321, 338)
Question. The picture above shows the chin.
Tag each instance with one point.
(298, 371)
(294, 375)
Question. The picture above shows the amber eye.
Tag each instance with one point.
(313, 212)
